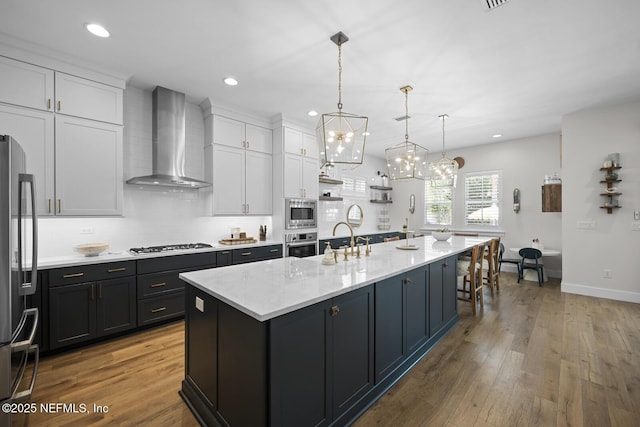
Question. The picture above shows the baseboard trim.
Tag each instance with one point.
(592, 291)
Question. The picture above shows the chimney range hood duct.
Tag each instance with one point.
(168, 143)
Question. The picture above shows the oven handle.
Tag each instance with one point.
(298, 244)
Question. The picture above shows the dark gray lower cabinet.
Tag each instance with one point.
(401, 319)
(320, 365)
(416, 295)
(442, 293)
(84, 311)
(389, 325)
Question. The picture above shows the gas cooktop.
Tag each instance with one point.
(168, 248)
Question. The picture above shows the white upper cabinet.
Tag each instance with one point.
(88, 99)
(302, 144)
(241, 168)
(300, 165)
(33, 130)
(238, 134)
(88, 167)
(26, 85)
(71, 131)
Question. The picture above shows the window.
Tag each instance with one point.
(354, 186)
(438, 206)
(483, 199)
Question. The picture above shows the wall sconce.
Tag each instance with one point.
(516, 200)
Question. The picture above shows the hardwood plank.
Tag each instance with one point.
(532, 356)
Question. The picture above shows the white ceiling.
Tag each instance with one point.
(515, 70)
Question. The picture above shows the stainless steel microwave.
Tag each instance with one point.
(300, 213)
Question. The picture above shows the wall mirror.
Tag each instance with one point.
(355, 216)
(412, 203)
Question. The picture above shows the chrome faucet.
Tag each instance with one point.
(350, 230)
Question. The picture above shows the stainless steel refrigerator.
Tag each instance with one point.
(18, 276)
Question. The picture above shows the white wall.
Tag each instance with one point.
(151, 216)
(331, 212)
(588, 137)
(524, 163)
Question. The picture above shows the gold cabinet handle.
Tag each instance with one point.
(100, 291)
(407, 281)
(245, 253)
(59, 205)
(335, 310)
(59, 105)
(68, 276)
(158, 310)
(157, 285)
(49, 205)
(225, 252)
(93, 292)
(274, 250)
(115, 270)
(49, 104)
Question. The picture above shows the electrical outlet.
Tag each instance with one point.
(636, 215)
(87, 230)
(586, 225)
(607, 273)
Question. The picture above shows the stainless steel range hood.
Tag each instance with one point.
(168, 143)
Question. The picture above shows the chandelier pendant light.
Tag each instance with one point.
(444, 172)
(341, 135)
(407, 159)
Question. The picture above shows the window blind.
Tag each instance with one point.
(483, 199)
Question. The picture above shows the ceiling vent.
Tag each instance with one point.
(492, 4)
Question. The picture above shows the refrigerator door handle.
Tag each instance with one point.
(24, 345)
(19, 396)
(28, 288)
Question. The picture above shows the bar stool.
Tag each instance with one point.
(471, 272)
(490, 264)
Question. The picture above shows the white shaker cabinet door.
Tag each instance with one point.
(88, 167)
(310, 146)
(293, 176)
(80, 97)
(25, 84)
(228, 180)
(258, 184)
(258, 139)
(228, 132)
(310, 172)
(34, 132)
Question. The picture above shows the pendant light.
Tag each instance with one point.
(444, 172)
(342, 135)
(407, 159)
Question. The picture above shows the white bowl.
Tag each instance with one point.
(441, 236)
(92, 249)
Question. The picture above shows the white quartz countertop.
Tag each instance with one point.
(269, 289)
(72, 260)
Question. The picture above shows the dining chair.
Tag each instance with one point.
(530, 254)
(471, 272)
(506, 260)
(391, 239)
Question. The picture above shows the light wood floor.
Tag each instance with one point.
(534, 356)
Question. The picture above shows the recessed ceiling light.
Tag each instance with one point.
(497, 135)
(312, 113)
(230, 81)
(97, 30)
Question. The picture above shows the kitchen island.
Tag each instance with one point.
(295, 342)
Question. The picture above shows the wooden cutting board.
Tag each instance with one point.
(238, 241)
